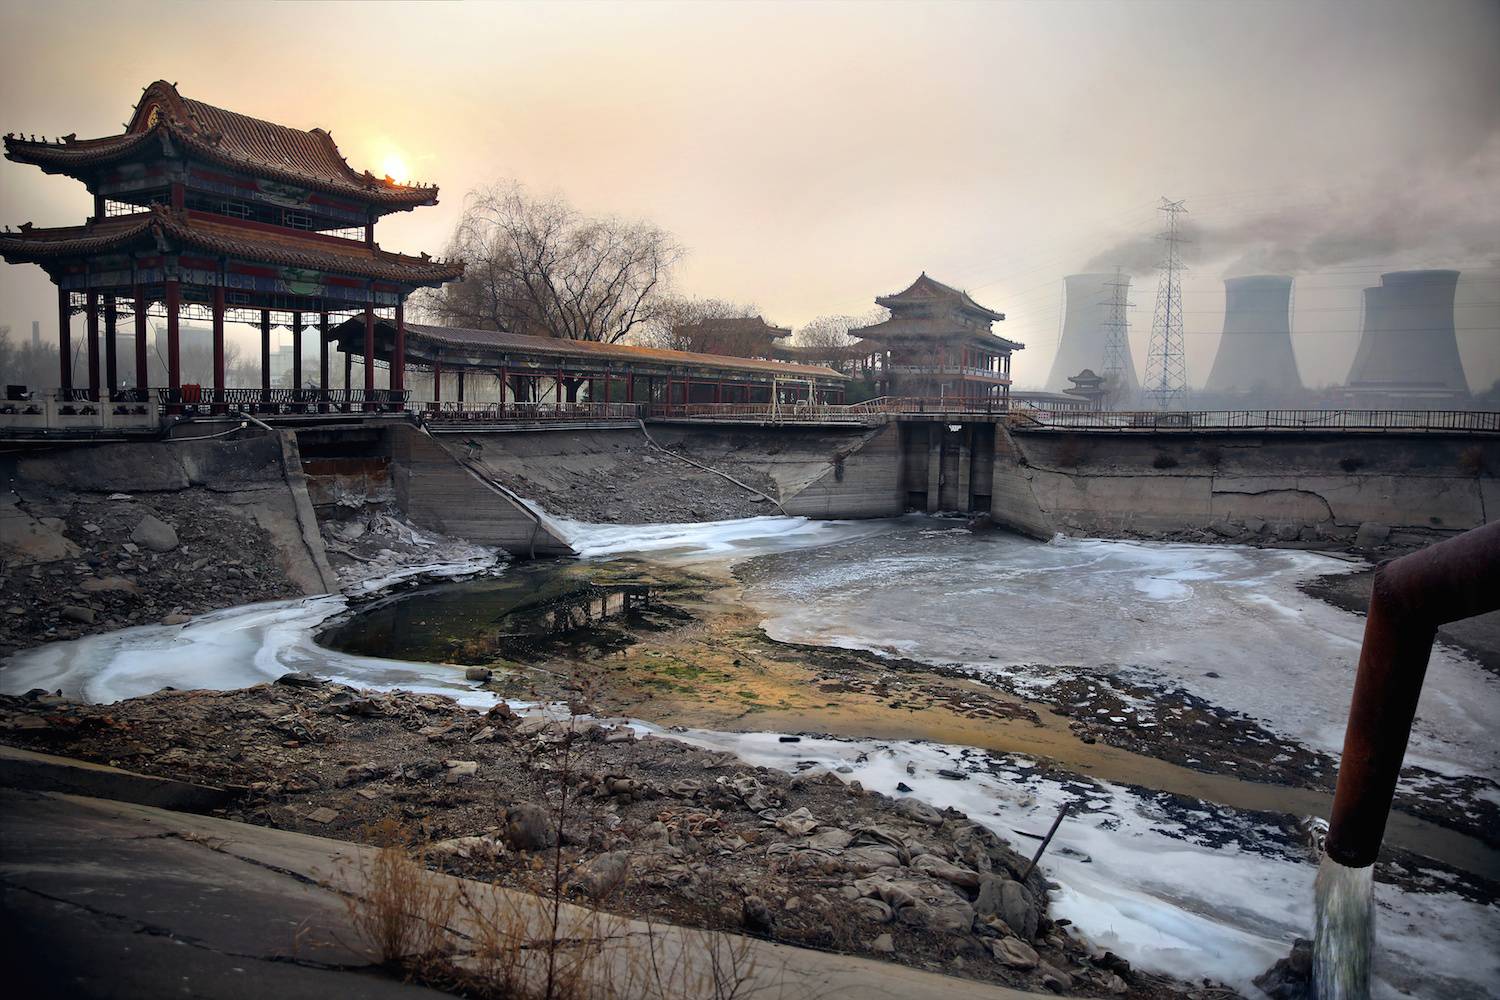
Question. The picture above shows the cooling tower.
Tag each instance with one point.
(1255, 350)
(1408, 348)
(1086, 331)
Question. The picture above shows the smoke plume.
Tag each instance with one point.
(1438, 216)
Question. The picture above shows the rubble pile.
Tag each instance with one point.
(379, 541)
(87, 563)
(647, 826)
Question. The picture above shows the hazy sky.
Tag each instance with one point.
(812, 156)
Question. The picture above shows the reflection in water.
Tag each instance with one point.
(528, 614)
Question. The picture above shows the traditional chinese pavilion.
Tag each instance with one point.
(208, 213)
(937, 344)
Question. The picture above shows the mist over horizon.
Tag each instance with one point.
(1318, 140)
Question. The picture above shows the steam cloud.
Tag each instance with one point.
(1433, 217)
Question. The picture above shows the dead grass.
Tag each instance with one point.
(492, 943)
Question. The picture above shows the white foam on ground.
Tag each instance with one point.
(739, 538)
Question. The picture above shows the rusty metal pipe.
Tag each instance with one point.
(1412, 596)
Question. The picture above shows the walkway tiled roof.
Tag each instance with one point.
(162, 226)
(497, 340)
(308, 159)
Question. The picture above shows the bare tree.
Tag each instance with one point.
(826, 339)
(539, 266)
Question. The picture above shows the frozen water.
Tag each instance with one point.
(1135, 877)
(1139, 882)
(1038, 612)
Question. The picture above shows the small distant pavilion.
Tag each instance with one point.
(209, 213)
(938, 344)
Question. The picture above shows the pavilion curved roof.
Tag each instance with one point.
(303, 158)
(926, 289)
(162, 227)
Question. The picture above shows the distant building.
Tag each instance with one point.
(734, 336)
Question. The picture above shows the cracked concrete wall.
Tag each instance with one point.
(260, 474)
(1327, 483)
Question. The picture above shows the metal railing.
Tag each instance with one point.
(1372, 420)
(198, 400)
(453, 411)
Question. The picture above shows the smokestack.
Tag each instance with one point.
(1408, 350)
(1255, 350)
(36, 334)
(1086, 330)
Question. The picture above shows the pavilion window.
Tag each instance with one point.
(296, 220)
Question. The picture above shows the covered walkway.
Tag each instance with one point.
(491, 366)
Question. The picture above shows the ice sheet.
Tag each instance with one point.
(1137, 881)
(1178, 613)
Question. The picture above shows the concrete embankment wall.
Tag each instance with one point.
(1304, 485)
(257, 474)
(432, 481)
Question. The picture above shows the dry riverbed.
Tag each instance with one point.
(647, 826)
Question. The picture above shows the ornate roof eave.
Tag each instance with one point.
(74, 157)
(166, 230)
(928, 290)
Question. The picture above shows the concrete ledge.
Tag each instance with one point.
(40, 772)
(244, 895)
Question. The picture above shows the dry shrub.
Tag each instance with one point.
(400, 911)
(496, 944)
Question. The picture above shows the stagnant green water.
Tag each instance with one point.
(534, 610)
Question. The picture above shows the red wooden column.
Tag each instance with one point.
(219, 348)
(296, 350)
(504, 386)
(437, 380)
(719, 391)
(323, 354)
(64, 339)
(398, 357)
(111, 356)
(630, 387)
(91, 344)
(265, 351)
(460, 386)
(174, 345)
(141, 377)
(369, 355)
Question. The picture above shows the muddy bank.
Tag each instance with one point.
(647, 826)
